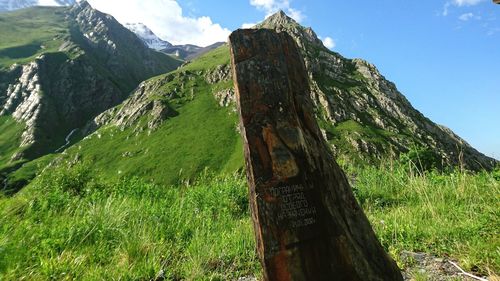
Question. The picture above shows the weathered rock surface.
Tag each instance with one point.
(221, 73)
(307, 222)
(146, 102)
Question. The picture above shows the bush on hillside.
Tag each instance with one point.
(421, 158)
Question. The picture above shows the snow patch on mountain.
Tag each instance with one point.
(143, 32)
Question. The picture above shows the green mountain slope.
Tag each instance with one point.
(9, 138)
(30, 32)
(61, 67)
(194, 133)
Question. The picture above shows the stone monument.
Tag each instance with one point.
(308, 224)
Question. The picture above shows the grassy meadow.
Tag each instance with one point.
(70, 224)
(30, 32)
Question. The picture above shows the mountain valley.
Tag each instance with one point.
(121, 156)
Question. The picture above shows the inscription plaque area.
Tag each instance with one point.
(308, 225)
(294, 205)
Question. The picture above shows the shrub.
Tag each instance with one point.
(421, 158)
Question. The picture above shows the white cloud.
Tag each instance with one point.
(295, 14)
(248, 25)
(466, 17)
(272, 6)
(165, 18)
(328, 42)
(493, 31)
(459, 3)
(47, 3)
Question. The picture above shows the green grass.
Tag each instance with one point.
(27, 171)
(72, 224)
(455, 213)
(30, 32)
(341, 134)
(218, 56)
(202, 135)
(365, 132)
(10, 139)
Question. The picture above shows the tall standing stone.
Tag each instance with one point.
(307, 223)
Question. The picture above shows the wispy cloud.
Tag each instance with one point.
(459, 3)
(466, 2)
(166, 19)
(248, 25)
(272, 6)
(466, 17)
(493, 31)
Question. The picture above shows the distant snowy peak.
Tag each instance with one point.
(143, 32)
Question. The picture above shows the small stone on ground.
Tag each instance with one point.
(422, 266)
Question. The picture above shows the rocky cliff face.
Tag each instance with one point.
(96, 67)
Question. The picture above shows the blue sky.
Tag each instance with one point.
(443, 55)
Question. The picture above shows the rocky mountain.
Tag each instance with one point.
(362, 111)
(151, 40)
(74, 64)
(11, 5)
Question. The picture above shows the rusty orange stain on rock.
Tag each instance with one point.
(283, 161)
(262, 151)
(280, 266)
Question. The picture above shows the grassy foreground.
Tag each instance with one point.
(72, 225)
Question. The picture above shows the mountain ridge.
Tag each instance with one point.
(371, 96)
